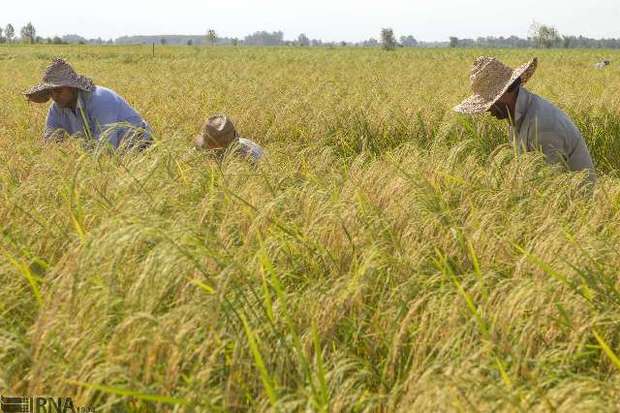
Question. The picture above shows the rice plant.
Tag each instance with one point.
(387, 255)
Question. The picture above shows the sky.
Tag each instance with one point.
(329, 20)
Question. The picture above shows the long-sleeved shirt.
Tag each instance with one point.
(541, 125)
(106, 114)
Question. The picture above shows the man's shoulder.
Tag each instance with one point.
(551, 120)
(103, 94)
(250, 148)
(250, 144)
(548, 115)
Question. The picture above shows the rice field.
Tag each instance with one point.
(387, 256)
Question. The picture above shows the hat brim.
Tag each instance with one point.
(41, 93)
(479, 104)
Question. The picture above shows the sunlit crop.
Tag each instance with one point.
(387, 255)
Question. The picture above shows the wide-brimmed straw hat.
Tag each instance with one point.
(58, 74)
(490, 79)
(219, 129)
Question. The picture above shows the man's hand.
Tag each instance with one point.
(54, 135)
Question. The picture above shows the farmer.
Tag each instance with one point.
(83, 109)
(534, 122)
(218, 134)
(602, 64)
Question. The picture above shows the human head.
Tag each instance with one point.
(495, 86)
(216, 133)
(57, 75)
(504, 107)
(64, 96)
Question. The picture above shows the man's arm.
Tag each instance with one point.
(554, 146)
(570, 150)
(54, 130)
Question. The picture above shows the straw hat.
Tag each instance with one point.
(58, 74)
(218, 129)
(490, 79)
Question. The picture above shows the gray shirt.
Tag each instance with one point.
(541, 125)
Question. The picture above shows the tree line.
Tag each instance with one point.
(28, 34)
(539, 35)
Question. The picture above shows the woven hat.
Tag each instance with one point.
(58, 74)
(490, 79)
(219, 129)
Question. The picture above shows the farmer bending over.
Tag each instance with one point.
(534, 122)
(82, 108)
(218, 134)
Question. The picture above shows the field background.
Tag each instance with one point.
(388, 254)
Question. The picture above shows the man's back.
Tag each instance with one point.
(540, 124)
(250, 149)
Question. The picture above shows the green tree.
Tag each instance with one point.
(454, 41)
(387, 39)
(211, 36)
(303, 40)
(544, 36)
(28, 33)
(408, 41)
(9, 33)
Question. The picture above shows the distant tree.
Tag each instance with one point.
(163, 41)
(408, 41)
(73, 38)
(566, 41)
(544, 36)
(9, 33)
(370, 43)
(28, 33)
(190, 42)
(211, 36)
(57, 40)
(302, 40)
(264, 38)
(2, 39)
(387, 39)
(234, 41)
(454, 41)
(343, 43)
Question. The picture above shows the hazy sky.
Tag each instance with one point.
(349, 20)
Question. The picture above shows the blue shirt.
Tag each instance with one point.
(250, 150)
(108, 116)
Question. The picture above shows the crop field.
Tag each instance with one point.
(388, 255)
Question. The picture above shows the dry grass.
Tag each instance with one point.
(388, 255)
